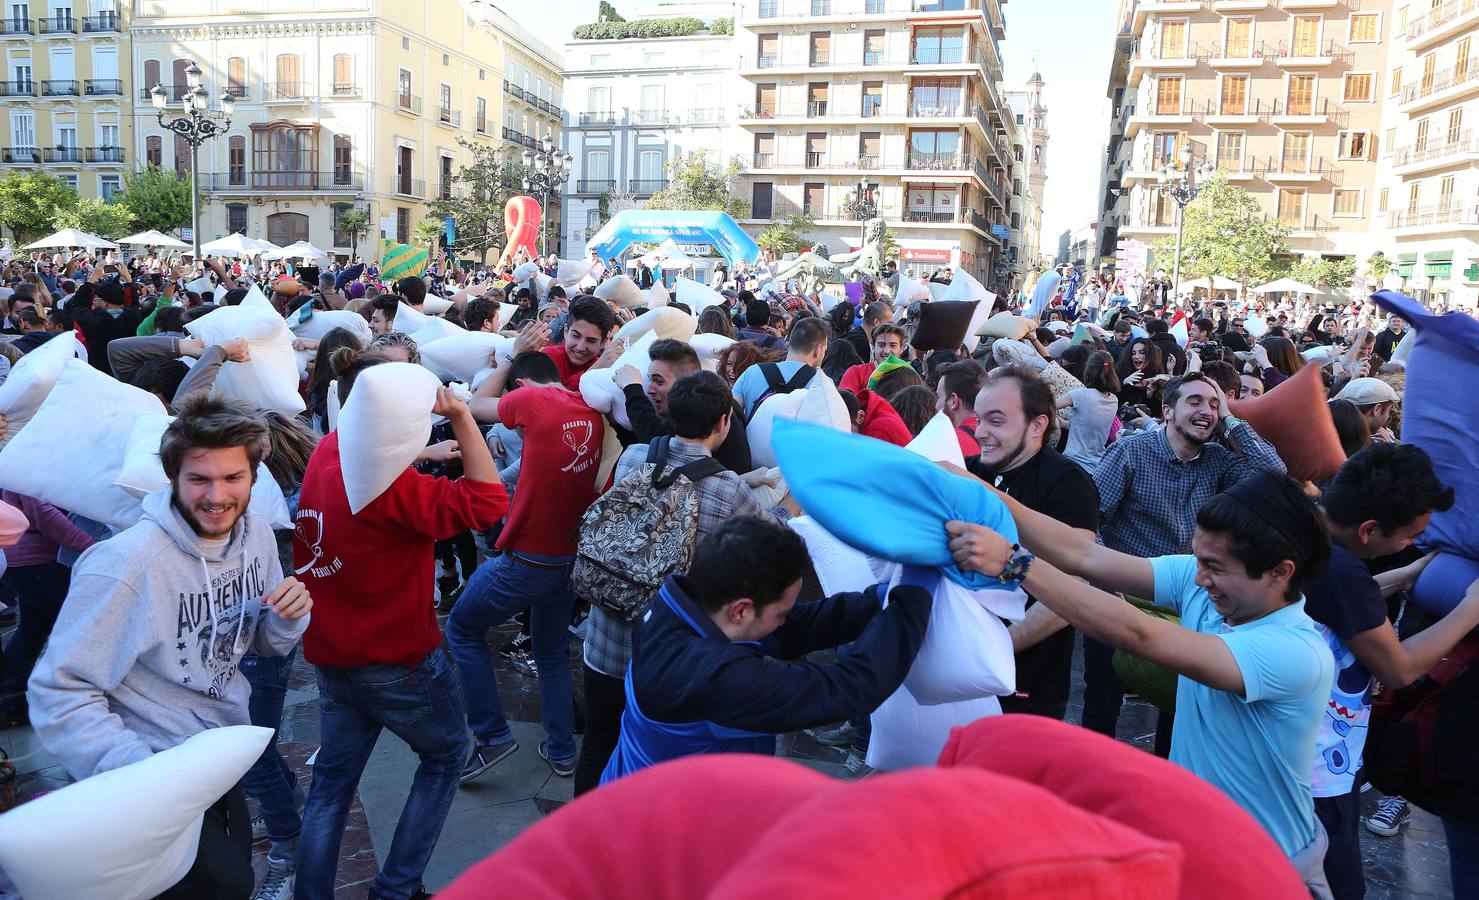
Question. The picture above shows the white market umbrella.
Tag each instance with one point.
(71, 237)
(1210, 282)
(297, 250)
(236, 244)
(153, 238)
(1286, 286)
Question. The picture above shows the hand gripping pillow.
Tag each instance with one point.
(831, 474)
(621, 290)
(697, 297)
(434, 329)
(665, 322)
(142, 474)
(128, 833)
(839, 567)
(906, 733)
(72, 449)
(600, 391)
(31, 379)
(270, 379)
(942, 325)
(525, 271)
(318, 325)
(461, 356)
(384, 424)
(708, 347)
(1005, 325)
(1295, 418)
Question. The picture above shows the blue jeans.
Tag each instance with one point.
(502, 587)
(423, 707)
(270, 781)
(1463, 857)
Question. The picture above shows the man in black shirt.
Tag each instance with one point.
(102, 317)
(1389, 337)
(874, 314)
(648, 408)
(1014, 412)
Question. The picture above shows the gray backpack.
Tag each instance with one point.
(638, 533)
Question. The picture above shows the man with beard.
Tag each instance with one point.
(1014, 411)
(1150, 488)
(145, 651)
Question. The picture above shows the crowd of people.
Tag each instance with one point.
(1106, 426)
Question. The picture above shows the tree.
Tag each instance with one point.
(99, 217)
(29, 201)
(1378, 267)
(478, 194)
(425, 233)
(786, 235)
(696, 184)
(356, 224)
(1320, 272)
(158, 198)
(1226, 233)
(607, 13)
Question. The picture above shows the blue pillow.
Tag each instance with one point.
(1444, 582)
(1042, 295)
(884, 500)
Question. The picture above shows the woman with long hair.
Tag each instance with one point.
(321, 372)
(739, 356)
(1277, 360)
(714, 321)
(841, 318)
(1142, 374)
(1091, 411)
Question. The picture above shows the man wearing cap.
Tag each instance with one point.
(1376, 400)
(101, 316)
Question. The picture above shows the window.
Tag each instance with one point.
(284, 155)
(1306, 36)
(1382, 198)
(1234, 95)
(872, 98)
(1460, 61)
(182, 155)
(1296, 156)
(1421, 143)
(816, 99)
(1230, 150)
(1173, 39)
(1430, 62)
(23, 131)
(481, 115)
(342, 238)
(444, 184)
(343, 159)
(236, 160)
(1163, 148)
(654, 102)
(405, 167)
(813, 199)
(1345, 203)
(288, 84)
(767, 50)
(236, 218)
(402, 225)
(932, 203)
(1239, 38)
(1365, 28)
(600, 59)
(1396, 86)
(403, 88)
(444, 100)
(446, 60)
(151, 72)
(873, 46)
(652, 57)
(1300, 95)
(1389, 140)
(1402, 20)
(1163, 208)
(765, 99)
(287, 226)
(1291, 207)
(343, 74)
(1359, 86)
(1168, 96)
(598, 166)
(405, 45)
(1455, 125)
(650, 166)
(816, 149)
(761, 199)
(933, 149)
(154, 150)
(1445, 193)
(236, 76)
(598, 100)
(765, 149)
(821, 48)
(1355, 144)
(870, 148)
(937, 97)
(1414, 193)
(938, 45)
(108, 139)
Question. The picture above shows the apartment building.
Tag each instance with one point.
(354, 104)
(64, 94)
(902, 92)
(533, 81)
(1283, 95)
(1428, 190)
(635, 104)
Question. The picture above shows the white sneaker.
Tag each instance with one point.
(278, 885)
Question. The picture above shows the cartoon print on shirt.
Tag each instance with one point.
(1349, 695)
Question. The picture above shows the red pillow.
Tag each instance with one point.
(1228, 854)
(1295, 418)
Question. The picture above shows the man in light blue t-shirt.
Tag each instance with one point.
(807, 347)
(1254, 673)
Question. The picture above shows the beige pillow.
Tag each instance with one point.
(1006, 325)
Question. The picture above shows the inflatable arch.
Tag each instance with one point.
(654, 226)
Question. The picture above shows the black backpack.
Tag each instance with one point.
(775, 384)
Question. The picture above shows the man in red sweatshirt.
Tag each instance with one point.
(377, 646)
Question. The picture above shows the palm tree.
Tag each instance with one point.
(355, 223)
(1378, 267)
(427, 232)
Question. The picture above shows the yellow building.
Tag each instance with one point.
(339, 106)
(65, 92)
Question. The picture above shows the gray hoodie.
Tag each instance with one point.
(145, 651)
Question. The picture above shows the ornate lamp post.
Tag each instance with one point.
(1182, 185)
(545, 170)
(199, 124)
(862, 206)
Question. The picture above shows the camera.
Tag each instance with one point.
(1210, 350)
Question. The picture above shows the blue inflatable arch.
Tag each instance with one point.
(653, 226)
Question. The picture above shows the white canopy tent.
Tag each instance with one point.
(153, 238)
(1287, 286)
(71, 237)
(1210, 283)
(236, 244)
(298, 250)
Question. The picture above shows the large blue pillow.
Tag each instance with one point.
(1443, 583)
(884, 500)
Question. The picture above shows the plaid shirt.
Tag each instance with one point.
(1148, 498)
(721, 497)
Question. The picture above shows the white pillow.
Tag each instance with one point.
(132, 832)
(938, 290)
(1399, 355)
(382, 427)
(542, 286)
(524, 271)
(321, 323)
(908, 734)
(506, 313)
(1319, 355)
(600, 391)
(270, 379)
(434, 305)
(698, 297)
(839, 567)
(570, 272)
(824, 405)
(937, 442)
(1005, 325)
(460, 357)
(434, 329)
(657, 295)
(967, 651)
(909, 291)
(72, 449)
(666, 321)
(142, 474)
(1179, 332)
(408, 319)
(1255, 325)
(621, 290)
(255, 297)
(708, 347)
(32, 379)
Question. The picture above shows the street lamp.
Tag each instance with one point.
(199, 124)
(862, 206)
(546, 169)
(1182, 185)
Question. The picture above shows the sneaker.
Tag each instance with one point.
(1391, 814)
(259, 828)
(278, 883)
(563, 768)
(523, 663)
(856, 765)
(520, 644)
(841, 736)
(449, 597)
(485, 757)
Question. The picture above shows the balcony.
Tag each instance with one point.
(105, 154)
(763, 161)
(341, 181)
(652, 117)
(104, 87)
(594, 186)
(58, 24)
(816, 109)
(816, 160)
(65, 87)
(17, 88)
(14, 27)
(1296, 170)
(1300, 54)
(21, 156)
(101, 23)
(1436, 218)
(409, 187)
(1226, 6)
(408, 103)
(706, 117)
(285, 92)
(1147, 8)
(1241, 55)
(934, 110)
(449, 117)
(1459, 149)
(1156, 57)
(1313, 112)
(341, 89)
(602, 118)
(646, 187)
(518, 137)
(1444, 21)
(62, 156)
(1443, 86)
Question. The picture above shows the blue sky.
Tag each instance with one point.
(1072, 41)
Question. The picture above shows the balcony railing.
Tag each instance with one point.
(518, 137)
(408, 103)
(1274, 166)
(1457, 145)
(65, 87)
(594, 186)
(59, 24)
(1449, 214)
(105, 154)
(706, 117)
(340, 181)
(284, 91)
(939, 161)
(103, 21)
(1439, 16)
(1441, 81)
(603, 117)
(237, 91)
(764, 161)
(450, 117)
(21, 155)
(651, 117)
(934, 110)
(344, 89)
(775, 9)
(832, 161)
(104, 87)
(647, 186)
(17, 88)
(815, 160)
(409, 187)
(1243, 50)
(816, 109)
(1287, 51)
(62, 155)
(14, 25)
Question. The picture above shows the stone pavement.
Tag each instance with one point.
(493, 810)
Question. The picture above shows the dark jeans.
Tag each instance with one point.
(1027, 707)
(270, 781)
(223, 864)
(1104, 693)
(1463, 857)
(605, 701)
(41, 590)
(462, 551)
(1341, 817)
(423, 707)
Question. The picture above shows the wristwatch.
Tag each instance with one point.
(1017, 564)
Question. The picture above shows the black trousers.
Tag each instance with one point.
(605, 701)
(223, 864)
(1341, 817)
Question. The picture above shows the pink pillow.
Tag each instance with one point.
(13, 524)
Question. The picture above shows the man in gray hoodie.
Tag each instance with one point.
(145, 652)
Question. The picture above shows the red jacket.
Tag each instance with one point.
(371, 574)
(881, 421)
(855, 379)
